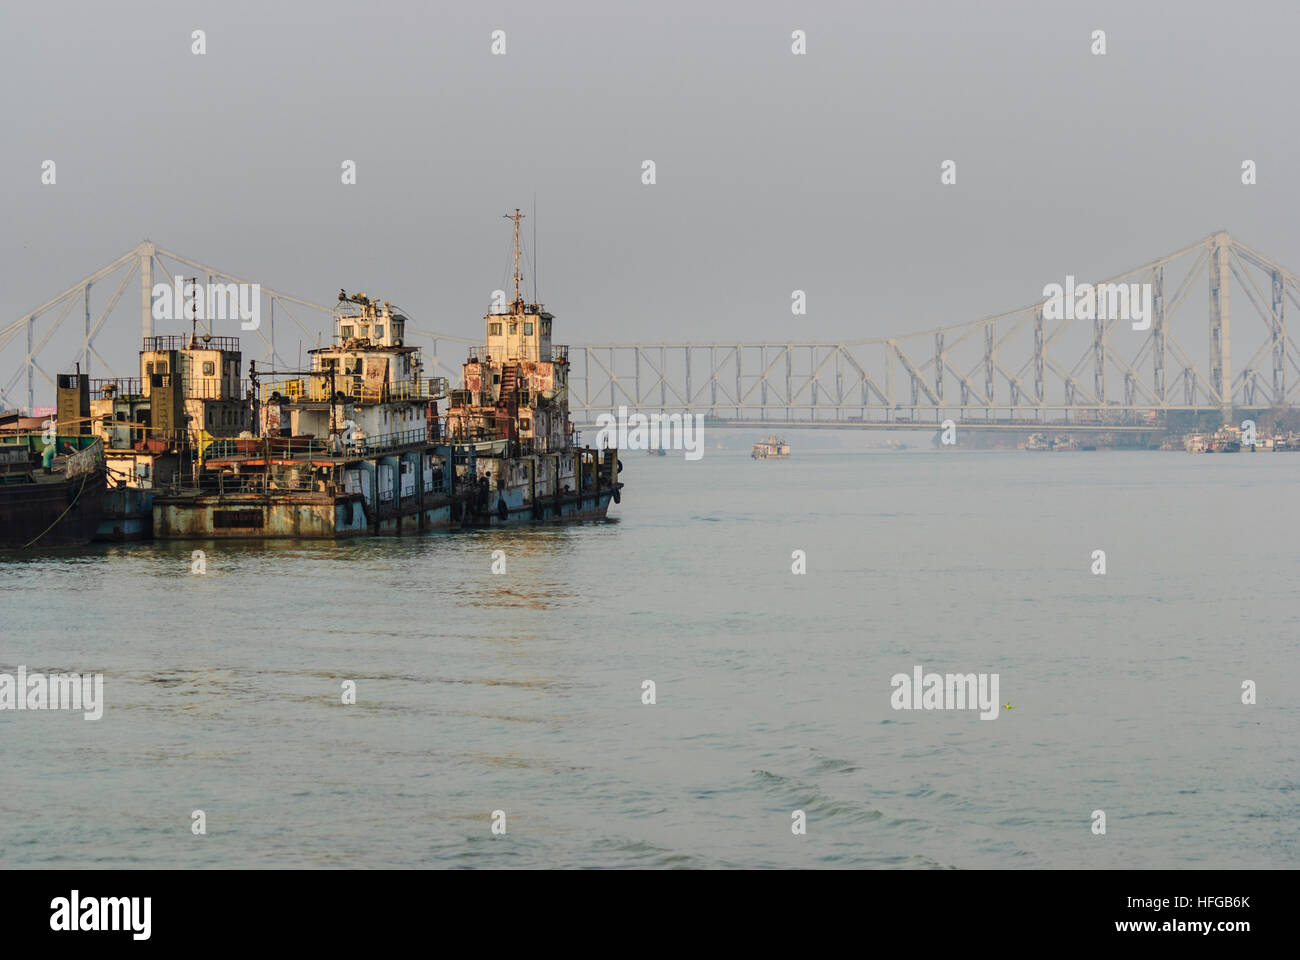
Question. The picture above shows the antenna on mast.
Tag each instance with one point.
(194, 313)
(516, 217)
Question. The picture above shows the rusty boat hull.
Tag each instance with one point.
(53, 511)
(297, 516)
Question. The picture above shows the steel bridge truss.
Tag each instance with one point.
(1014, 366)
(1020, 366)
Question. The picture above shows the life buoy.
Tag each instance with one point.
(502, 510)
(620, 466)
(617, 498)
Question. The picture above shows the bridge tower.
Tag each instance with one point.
(1220, 340)
(146, 252)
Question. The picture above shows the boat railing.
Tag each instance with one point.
(314, 447)
(462, 434)
(104, 389)
(553, 352)
(199, 388)
(349, 388)
(184, 342)
(212, 388)
(386, 442)
(289, 448)
(226, 483)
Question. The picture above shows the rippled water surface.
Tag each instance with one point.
(522, 692)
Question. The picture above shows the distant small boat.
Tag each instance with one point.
(773, 448)
(1224, 440)
(661, 452)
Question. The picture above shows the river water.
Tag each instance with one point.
(521, 692)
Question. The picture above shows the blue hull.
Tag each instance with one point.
(128, 515)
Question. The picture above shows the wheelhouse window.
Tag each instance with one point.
(528, 329)
(209, 368)
(494, 329)
(345, 332)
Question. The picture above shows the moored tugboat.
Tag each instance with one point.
(353, 446)
(510, 425)
(349, 448)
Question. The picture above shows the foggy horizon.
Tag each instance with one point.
(774, 172)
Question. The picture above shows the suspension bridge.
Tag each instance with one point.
(1014, 370)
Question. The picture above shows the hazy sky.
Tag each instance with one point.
(775, 171)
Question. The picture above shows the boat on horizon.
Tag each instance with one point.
(773, 448)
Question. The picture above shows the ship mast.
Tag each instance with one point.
(516, 217)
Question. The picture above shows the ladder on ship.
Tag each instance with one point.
(509, 382)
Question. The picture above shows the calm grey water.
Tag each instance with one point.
(522, 692)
